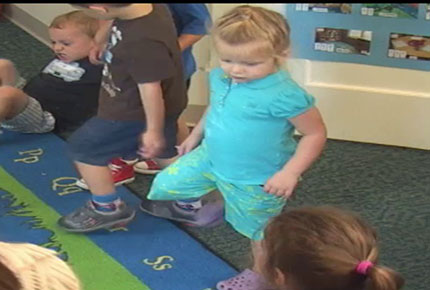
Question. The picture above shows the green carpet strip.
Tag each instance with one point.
(95, 269)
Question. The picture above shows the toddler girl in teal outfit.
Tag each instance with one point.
(243, 145)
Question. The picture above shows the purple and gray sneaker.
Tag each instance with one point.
(209, 215)
(247, 280)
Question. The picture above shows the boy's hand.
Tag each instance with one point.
(101, 40)
(96, 53)
(282, 184)
(152, 144)
(189, 144)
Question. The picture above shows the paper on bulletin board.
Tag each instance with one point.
(409, 46)
(428, 11)
(340, 32)
(325, 7)
(396, 10)
(343, 40)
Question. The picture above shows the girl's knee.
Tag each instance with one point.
(10, 92)
(6, 64)
(13, 94)
(7, 73)
(12, 101)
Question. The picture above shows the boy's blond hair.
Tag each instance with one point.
(25, 266)
(111, 5)
(87, 24)
(245, 24)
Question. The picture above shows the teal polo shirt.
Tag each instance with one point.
(247, 132)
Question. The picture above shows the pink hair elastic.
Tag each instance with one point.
(363, 267)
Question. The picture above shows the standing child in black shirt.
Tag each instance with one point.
(141, 97)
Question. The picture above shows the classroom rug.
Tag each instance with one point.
(37, 187)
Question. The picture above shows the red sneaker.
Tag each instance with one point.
(119, 161)
(122, 172)
(147, 166)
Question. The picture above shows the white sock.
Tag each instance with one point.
(130, 161)
(190, 204)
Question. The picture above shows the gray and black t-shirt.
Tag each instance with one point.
(69, 91)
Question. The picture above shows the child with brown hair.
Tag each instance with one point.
(64, 94)
(141, 97)
(318, 248)
(192, 22)
(25, 266)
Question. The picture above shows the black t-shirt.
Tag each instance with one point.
(141, 50)
(69, 91)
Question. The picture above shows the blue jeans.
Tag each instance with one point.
(98, 141)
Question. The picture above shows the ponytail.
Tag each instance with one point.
(383, 278)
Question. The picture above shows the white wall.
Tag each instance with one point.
(369, 103)
(45, 12)
(34, 18)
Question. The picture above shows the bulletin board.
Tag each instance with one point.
(384, 34)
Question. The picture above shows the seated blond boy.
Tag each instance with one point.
(65, 92)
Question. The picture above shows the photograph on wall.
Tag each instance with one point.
(409, 46)
(395, 10)
(428, 11)
(342, 40)
(345, 8)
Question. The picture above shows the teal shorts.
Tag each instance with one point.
(248, 208)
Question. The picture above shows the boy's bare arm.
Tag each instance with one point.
(187, 40)
(152, 140)
(100, 40)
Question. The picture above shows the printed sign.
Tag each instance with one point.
(343, 40)
(396, 10)
(383, 34)
(325, 7)
(409, 46)
(428, 11)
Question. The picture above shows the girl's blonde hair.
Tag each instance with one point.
(87, 24)
(245, 24)
(319, 248)
(25, 266)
